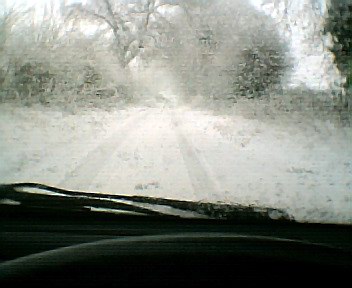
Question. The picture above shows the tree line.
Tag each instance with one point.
(218, 49)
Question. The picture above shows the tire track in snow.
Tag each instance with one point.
(84, 173)
(200, 175)
(148, 164)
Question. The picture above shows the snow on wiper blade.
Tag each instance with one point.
(45, 197)
(40, 195)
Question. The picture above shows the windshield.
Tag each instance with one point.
(230, 102)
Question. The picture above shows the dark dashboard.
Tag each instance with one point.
(54, 240)
(91, 249)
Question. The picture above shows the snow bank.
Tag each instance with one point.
(295, 161)
(38, 138)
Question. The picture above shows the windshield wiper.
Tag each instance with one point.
(35, 195)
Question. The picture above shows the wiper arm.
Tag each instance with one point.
(80, 201)
(64, 200)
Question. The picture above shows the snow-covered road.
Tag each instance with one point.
(179, 153)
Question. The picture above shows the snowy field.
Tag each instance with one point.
(301, 166)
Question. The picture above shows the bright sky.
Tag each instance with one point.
(257, 2)
(39, 2)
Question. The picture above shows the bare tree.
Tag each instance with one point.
(339, 25)
(133, 25)
(227, 48)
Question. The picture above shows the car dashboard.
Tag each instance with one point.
(46, 247)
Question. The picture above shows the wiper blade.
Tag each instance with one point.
(60, 199)
(63, 200)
